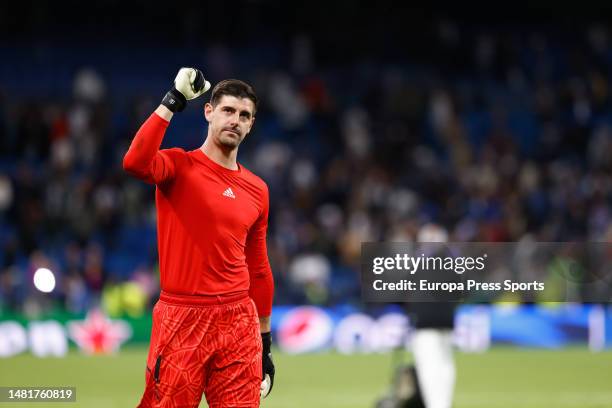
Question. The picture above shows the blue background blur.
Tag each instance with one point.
(374, 123)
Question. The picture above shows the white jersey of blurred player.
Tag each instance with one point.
(432, 348)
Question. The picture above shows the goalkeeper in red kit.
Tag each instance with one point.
(211, 325)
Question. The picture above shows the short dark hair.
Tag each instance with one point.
(233, 87)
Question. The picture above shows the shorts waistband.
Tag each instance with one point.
(203, 300)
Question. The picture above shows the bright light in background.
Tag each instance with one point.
(44, 280)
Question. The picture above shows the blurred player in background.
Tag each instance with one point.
(432, 339)
(430, 382)
(212, 217)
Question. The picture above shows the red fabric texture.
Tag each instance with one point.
(214, 349)
(211, 221)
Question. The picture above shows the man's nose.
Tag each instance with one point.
(234, 119)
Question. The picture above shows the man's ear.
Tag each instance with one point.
(208, 108)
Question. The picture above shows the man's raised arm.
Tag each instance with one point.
(143, 159)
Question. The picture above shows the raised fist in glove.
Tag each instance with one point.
(188, 84)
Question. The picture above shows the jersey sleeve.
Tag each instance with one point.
(261, 288)
(145, 161)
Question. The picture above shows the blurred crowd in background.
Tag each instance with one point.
(499, 134)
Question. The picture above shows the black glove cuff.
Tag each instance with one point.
(266, 340)
(174, 100)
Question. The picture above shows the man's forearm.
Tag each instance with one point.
(261, 290)
(264, 324)
(145, 145)
(164, 112)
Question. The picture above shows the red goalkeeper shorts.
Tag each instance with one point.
(209, 345)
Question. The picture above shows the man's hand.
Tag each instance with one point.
(267, 365)
(188, 84)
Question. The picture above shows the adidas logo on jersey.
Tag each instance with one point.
(229, 193)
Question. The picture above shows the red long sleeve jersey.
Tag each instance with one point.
(211, 221)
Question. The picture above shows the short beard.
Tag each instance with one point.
(229, 142)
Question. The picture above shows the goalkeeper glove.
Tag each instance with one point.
(267, 365)
(188, 84)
